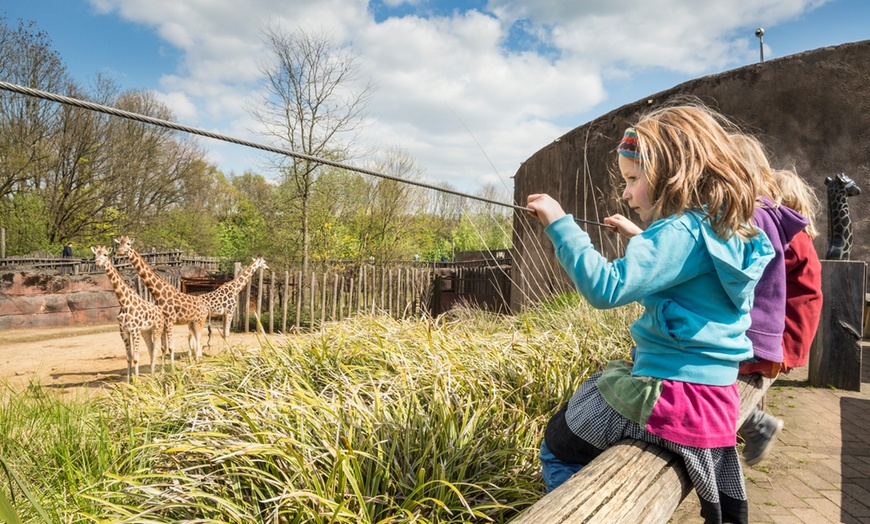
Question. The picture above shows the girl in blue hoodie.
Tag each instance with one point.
(694, 270)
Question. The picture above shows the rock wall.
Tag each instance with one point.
(811, 110)
(41, 300)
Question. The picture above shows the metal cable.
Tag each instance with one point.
(15, 88)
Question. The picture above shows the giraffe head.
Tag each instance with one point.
(124, 245)
(259, 263)
(844, 184)
(101, 256)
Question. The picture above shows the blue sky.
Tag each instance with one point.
(459, 84)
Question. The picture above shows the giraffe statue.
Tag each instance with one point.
(839, 222)
(222, 301)
(137, 317)
(177, 307)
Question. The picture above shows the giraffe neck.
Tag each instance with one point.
(839, 221)
(158, 287)
(235, 285)
(122, 290)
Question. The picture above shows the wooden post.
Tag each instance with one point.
(835, 356)
(390, 292)
(237, 314)
(313, 280)
(360, 283)
(299, 298)
(341, 298)
(271, 302)
(335, 296)
(286, 301)
(323, 300)
(2, 243)
(367, 292)
(259, 297)
(383, 288)
(350, 298)
(247, 305)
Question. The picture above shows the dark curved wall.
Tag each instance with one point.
(811, 110)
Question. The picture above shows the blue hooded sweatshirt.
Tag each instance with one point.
(695, 287)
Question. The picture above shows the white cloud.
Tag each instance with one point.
(437, 76)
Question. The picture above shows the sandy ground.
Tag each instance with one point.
(89, 358)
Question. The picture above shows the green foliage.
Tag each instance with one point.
(243, 233)
(483, 232)
(182, 228)
(52, 448)
(27, 225)
(371, 420)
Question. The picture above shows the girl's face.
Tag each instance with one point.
(636, 188)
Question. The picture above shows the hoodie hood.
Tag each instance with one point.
(788, 222)
(738, 262)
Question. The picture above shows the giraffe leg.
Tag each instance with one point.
(168, 344)
(228, 316)
(193, 355)
(133, 354)
(125, 336)
(196, 329)
(148, 335)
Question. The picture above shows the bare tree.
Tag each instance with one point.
(312, 105)
(389, 206)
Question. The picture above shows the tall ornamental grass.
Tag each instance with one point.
(374, 420)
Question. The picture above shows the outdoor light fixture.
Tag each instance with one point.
(760, 34)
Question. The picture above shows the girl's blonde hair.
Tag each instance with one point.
(755, 156)
(691, 162)
(800, 196)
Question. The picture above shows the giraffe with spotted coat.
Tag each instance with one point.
(222, 301)
(137, 318)
(178, 308)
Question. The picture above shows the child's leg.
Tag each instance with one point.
(555, 471)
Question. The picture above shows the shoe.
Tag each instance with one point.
(759, 434)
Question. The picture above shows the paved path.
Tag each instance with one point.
(819, 471)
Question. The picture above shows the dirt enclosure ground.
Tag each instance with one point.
(87, 359)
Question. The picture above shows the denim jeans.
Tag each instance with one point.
(555, 471)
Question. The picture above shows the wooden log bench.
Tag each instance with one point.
(632, 481)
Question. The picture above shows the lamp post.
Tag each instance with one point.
(760, 34)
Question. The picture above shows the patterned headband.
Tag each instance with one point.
(628, 147)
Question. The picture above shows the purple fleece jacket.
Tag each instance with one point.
(780, 224)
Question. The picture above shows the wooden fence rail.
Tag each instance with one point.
(85, 266)
(291, 301)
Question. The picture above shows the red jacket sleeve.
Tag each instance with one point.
(803, 302)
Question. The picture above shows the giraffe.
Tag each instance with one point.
(839, 221)
(222, 301)
(177, 307)
(137, 317)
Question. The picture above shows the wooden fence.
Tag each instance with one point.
(290, 301)
(77, 266)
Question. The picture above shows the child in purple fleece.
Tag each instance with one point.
(780, 223)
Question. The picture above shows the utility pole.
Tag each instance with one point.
(760, 34)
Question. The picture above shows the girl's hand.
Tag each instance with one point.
(624, 226)
(545, 208)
